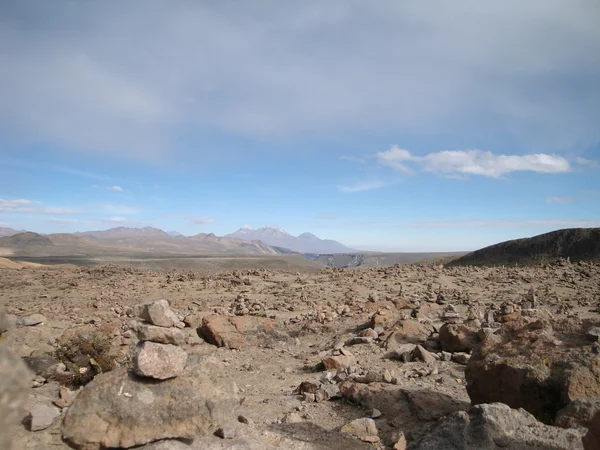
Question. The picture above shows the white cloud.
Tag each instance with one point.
(11, 205)
(115, 219)
(560, 199)
(586, 162)
(559, 223)
(273, 68)
(4, 224)
(201, 220)
(364, 186)
(473, 162)
(23, 206)
(110, 188)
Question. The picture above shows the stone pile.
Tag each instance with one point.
(158, 353)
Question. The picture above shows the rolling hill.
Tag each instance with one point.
(574, 243)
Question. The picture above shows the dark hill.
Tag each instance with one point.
(574, 243)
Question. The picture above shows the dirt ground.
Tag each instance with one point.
(311, 313)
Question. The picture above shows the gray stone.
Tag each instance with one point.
(7, 321)
(42, 416)
(157, 334)
(360, 428)
(160, 361)
(15, 380)
(594, 333)
(493, 426)
(578, 413)
(225, 432)
(118, 409)
(157, 313)
(424, 355)
(29, 321)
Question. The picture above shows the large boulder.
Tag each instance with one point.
(458, 338)
(15, 379)
(493, 426)
(119, 409)
(578, 413)
(537, 367)
(235, 332)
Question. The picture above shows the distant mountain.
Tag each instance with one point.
(124, 232)
(4, 231)
(305, 243)
(124, 241)
(574, 243)
(174, 233)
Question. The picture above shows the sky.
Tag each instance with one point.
(391, 125)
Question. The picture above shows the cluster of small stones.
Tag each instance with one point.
(158, 354)
(243, 306)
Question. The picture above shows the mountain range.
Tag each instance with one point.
(152, 241)
(304, 243)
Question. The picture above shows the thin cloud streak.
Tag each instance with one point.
(560, 200)
(361, 187)
(473, 162)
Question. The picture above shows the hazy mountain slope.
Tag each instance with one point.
(305, 243)
(128, 241)
(575, 243)
(5, 231)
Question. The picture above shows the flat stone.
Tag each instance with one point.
(42, 416)
(160, 361)
(157, 334)
(32, 320)
(119, 409)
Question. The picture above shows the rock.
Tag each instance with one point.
(591, 441)
(408, 331)
(7, 321)
(160, 361)
(360, 428)
(118, 409)
(292, 418)
(15, 380)
(578, 413)
(431, 405)
(594, 333)
(225, 432)
(338, 362)
(332, 391)
(29, 321)
(369, 333)
(493, 426)
(400, 443)
(403, 352)
(424, 355)
(235, 332)
(42, 416)
(160, 335)
(44, 365)
(157, 313)
(461, 358)
(458, 338)
(374, 413)
(528, 367)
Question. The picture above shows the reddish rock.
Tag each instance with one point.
(338, 362)
(503, 318)
(408, 331)
(591, 441)
(235, 332)
(535, 367)
(458, 338)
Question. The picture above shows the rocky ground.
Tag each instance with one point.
(387, 358)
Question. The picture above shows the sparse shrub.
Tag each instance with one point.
(86, 355)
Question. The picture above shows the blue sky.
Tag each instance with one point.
(395, 125)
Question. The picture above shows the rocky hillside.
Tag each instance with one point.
(578, 244)
(368, 259)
